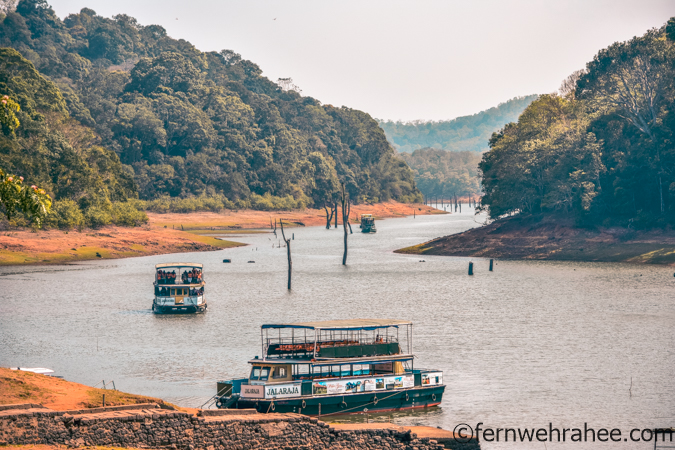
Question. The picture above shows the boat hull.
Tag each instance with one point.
(179, 309)
(376, 401)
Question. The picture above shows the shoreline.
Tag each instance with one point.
(169, 233)
(35, 408)
(553, 239)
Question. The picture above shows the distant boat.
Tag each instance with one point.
(179, 289)
(368, 223)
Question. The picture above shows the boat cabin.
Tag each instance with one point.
(368, 223)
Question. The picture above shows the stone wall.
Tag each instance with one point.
(159, 428)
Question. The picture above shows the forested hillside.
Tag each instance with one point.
(603, 151)
(467, 133)
(123, 110)
(440, 173)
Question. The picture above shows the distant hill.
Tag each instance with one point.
(467, 133)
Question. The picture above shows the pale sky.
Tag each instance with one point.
(402, 60)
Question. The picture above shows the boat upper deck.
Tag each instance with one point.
(189, 274)
(336, 339)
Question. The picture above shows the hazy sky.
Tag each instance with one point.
(415, 59)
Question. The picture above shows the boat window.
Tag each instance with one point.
(279, 372)
(361, 369)
(173, 292)
(345, 370)
(255, 373)
(264, 373)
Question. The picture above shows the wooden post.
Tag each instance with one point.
(103, 399)
(288, 253)
(490, 265)
(345, 220)
(319, 410)
(470, 268)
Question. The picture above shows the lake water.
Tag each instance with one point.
(529, 344)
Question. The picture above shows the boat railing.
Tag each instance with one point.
(189, 281)
(341, 348)
(170, 301)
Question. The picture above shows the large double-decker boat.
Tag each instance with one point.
(179, 288)
(334, 367)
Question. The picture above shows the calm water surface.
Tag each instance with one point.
(525, 345)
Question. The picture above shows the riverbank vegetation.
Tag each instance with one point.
(444, 174)
(601, 150)
(113, 112)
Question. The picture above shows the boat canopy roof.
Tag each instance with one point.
(352, 324)
(177, 265)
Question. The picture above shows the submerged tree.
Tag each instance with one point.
(345, 219)
(288, 252)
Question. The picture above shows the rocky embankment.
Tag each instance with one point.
(553, 238)
(149, 426)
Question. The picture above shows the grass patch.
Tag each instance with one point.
(216, 242)
(21, 391)
(418, 249)
(116, 398)
(228, 231)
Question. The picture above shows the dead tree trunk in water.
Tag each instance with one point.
(345, 224)
(335, 206)
(349, 210)
(329, 217)
(288, 253)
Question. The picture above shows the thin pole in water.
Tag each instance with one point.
(470, 268)
(490, 265)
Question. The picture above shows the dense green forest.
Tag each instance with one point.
(467, 133)
(602, 150)
(112, 110)
(441, 173)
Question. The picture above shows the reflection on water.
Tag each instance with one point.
(528, 344)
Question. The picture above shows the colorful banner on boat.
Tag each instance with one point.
(433, 378)
(362, 385)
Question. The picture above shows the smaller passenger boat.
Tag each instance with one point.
(179, 288)
(368, 223)
(334, 367)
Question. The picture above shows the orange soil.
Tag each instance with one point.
(56, 246)
(17, 386)
(261, 219)
(164, 234)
